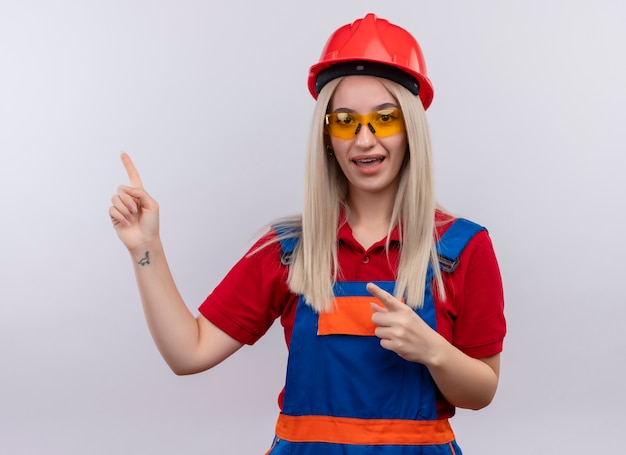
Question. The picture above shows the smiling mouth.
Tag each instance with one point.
(369, 161)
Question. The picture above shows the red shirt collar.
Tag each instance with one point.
(344, 231)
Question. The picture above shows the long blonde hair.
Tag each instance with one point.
(314, 268)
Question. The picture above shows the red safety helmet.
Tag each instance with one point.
(375, 47)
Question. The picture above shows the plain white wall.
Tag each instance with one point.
(210, 99)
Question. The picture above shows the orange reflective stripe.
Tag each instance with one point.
(351, 316)
(345, 430)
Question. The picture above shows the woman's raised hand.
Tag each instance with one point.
(134, 214)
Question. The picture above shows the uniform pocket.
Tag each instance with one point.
(351, 316)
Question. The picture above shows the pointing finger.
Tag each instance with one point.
(390, 302)
(131, 170)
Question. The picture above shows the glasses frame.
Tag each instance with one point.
(334, 126)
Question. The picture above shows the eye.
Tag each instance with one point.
(344, 119)
(386, 117)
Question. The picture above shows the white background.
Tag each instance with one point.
(210, 100)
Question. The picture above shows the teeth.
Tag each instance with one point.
(368, 160)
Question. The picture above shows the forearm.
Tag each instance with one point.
(187, 344)
(464, 381)
(172, 326)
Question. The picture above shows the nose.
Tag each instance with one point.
(365, 138)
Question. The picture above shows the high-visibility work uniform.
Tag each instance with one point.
(345, 394)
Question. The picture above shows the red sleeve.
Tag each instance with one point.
(472, 317)
(251, 296)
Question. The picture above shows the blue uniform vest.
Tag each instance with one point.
(346, 395)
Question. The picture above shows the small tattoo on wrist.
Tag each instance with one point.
(145, 260)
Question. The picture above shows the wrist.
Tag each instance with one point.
(143, 254)
(439, 352)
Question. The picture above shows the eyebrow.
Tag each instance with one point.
(376, 108)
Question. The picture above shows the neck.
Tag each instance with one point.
(370, 216)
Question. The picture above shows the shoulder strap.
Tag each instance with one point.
(454, 240)
(287, 244)
(449, 246)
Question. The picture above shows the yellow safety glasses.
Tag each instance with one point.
(383, 123)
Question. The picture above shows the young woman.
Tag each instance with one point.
(392, 309)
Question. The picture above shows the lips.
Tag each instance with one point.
(368, 161)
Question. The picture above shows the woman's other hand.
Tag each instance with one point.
(134, 214)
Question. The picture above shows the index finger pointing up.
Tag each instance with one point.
(131, 170)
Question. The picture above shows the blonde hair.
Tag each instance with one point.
(314, 268)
